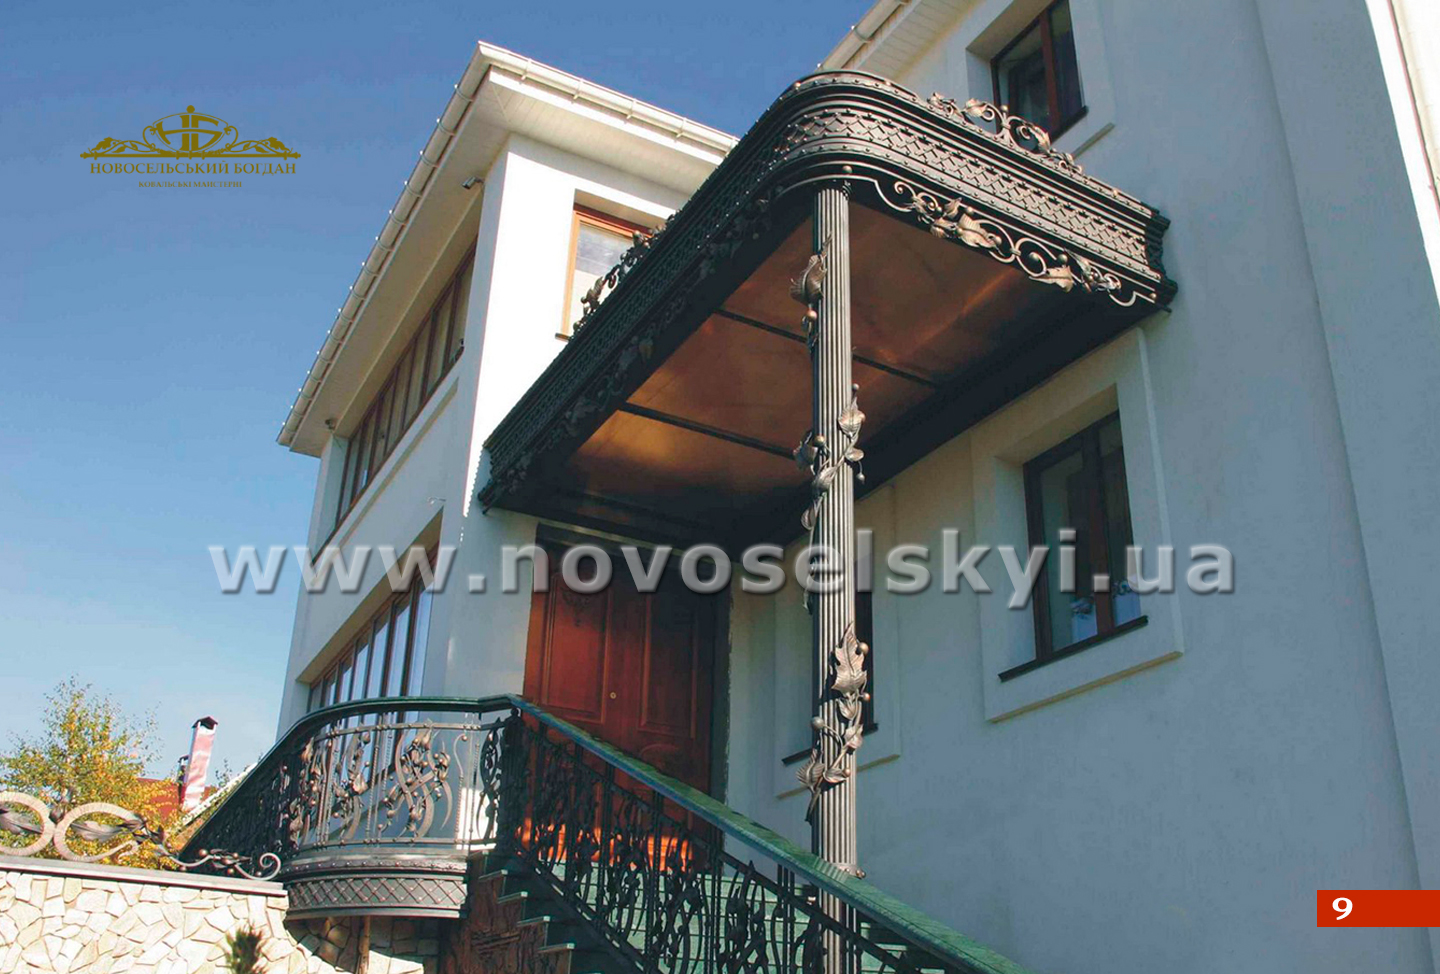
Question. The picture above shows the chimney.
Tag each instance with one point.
(198, 764)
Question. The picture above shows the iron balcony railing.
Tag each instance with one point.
(673, 880)
(369, 776)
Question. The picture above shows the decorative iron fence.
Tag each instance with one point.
(104, 832)
(673, 880)
(369, 776)
(680, 883)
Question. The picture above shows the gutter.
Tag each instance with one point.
(860, 36)
(527, 71)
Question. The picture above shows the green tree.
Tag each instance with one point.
(89, 751)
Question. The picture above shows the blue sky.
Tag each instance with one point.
(154, 338)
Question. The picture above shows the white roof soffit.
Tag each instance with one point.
(509, 94)
(892, 34)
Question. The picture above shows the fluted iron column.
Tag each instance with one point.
(830, 454)
(833, 822)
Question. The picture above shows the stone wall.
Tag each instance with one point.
(82, 918)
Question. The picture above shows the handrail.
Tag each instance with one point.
(269, 793)
(932, 937)
(923, 931)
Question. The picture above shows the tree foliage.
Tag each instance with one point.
(88, 751)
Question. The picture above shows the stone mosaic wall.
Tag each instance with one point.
(77, 918)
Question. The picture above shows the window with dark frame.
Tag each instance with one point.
(385, 659)
(1037, 74)
(1076, 495)
(435, 347)
(597, 242)
(865, 632)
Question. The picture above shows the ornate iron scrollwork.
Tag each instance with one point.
(128, 836)
(847, 684)
(1009, 129)
(640, 243)
(1041, 261)
(659, 885)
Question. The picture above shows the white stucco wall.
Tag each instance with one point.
(1240, 751)
(476, 640)
(1181, 817)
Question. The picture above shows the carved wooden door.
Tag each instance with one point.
(635, 669)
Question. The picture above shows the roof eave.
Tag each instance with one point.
(689, 137)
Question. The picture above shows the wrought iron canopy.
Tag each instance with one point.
(983, 260)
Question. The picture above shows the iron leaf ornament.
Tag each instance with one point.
(1042, 262)
(847, 685)
(823, 461)
(1012, 130)
(808, 289)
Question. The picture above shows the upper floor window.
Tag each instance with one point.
(434, 348)
(1076, 495)
(385, 659)
(597, 242)
(1037, 74)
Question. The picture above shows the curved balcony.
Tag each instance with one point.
(371, 809)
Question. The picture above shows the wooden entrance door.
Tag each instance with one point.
(634, 669)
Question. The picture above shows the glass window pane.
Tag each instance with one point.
(348, 486)
(1067, 68)
(597, 249)
(404, 404)
(1021, 75)
(436, 366)
(394, 407)
(1118, 532)
(1063, 505)
(443, 330)
(415, 395)
(342, 682)
(362, 667)
(327, 693)
(415, 677)
(375, 685)
(865, 632)
(462, 308)
(313, 700)
(395, 672)
(362, 458)
(382, 432)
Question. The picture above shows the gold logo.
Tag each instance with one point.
(190, 135)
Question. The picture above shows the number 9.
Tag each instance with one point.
(1342, 907)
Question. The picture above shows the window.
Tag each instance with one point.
(386, 659)
(597, 244)
(865, 632)
(1075, 495)
(435, 347)
(1037, 74)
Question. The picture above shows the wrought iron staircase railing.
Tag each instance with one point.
(374, 809)
(679, 882)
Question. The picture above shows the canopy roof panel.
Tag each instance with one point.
(981, 261)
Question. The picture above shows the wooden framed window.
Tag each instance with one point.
(1076, 495)
(426, 358)
(387, 658)
(597, 242)
(1037, 74)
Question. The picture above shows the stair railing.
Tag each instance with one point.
(679, 883)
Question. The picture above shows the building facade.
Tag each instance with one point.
(1117, 781)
